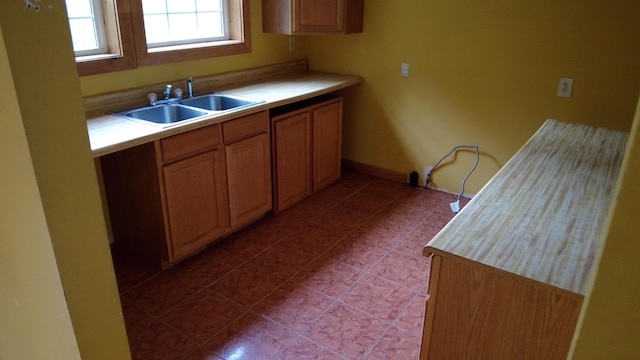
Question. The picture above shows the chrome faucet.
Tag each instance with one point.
(153, 98)
(190, 87)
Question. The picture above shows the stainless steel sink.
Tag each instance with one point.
(179, 110)
(164, 114)
(218, 102)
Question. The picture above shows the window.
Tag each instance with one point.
(147, 32)
(87, 30)
(175, 22)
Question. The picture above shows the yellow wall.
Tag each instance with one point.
(611, 323)
(481, 72)
(266, 49)
(35, 320)
(48, 92)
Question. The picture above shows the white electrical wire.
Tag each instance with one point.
(451, 152)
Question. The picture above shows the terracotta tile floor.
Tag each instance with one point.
(339, 276)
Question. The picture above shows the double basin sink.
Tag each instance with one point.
(187, 109)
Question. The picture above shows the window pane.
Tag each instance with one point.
(179, 6)
(183, 26)
(211, 23)
(156, 28)
(83, 34)
(154, 7)
(208, 5)
(79, 8)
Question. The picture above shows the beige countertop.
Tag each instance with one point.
(109, 133)
(543, 215)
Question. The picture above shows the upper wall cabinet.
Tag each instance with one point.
(312, 17)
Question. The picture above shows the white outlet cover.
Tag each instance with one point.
(565, 87)
(404, 70)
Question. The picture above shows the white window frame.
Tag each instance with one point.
(99, 32)
(196, 40)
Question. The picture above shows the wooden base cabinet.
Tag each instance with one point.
(307, 150)
(510, 272)
(169, 198)
(311, 17)
(248, 155)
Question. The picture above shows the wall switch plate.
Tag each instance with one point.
(565, 88)
(404, 70)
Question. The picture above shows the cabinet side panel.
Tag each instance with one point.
(488, 314)
(276, 16)
(430, 306)
(355, 15)
(133, 198)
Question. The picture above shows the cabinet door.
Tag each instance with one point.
(292, 159)
(249, 179)
(310, 17)
(196, 202)
(318, 16)
(327, 144)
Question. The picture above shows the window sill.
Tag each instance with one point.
(203, 45)
(88, 58)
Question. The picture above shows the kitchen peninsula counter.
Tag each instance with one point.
(511, 270)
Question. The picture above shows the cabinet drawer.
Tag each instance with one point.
(190, 143)
(245, 127)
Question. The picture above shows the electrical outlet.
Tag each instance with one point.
(426, 175)
(404, 70)
(565, 87)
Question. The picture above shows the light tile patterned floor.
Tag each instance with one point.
(339, 276)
